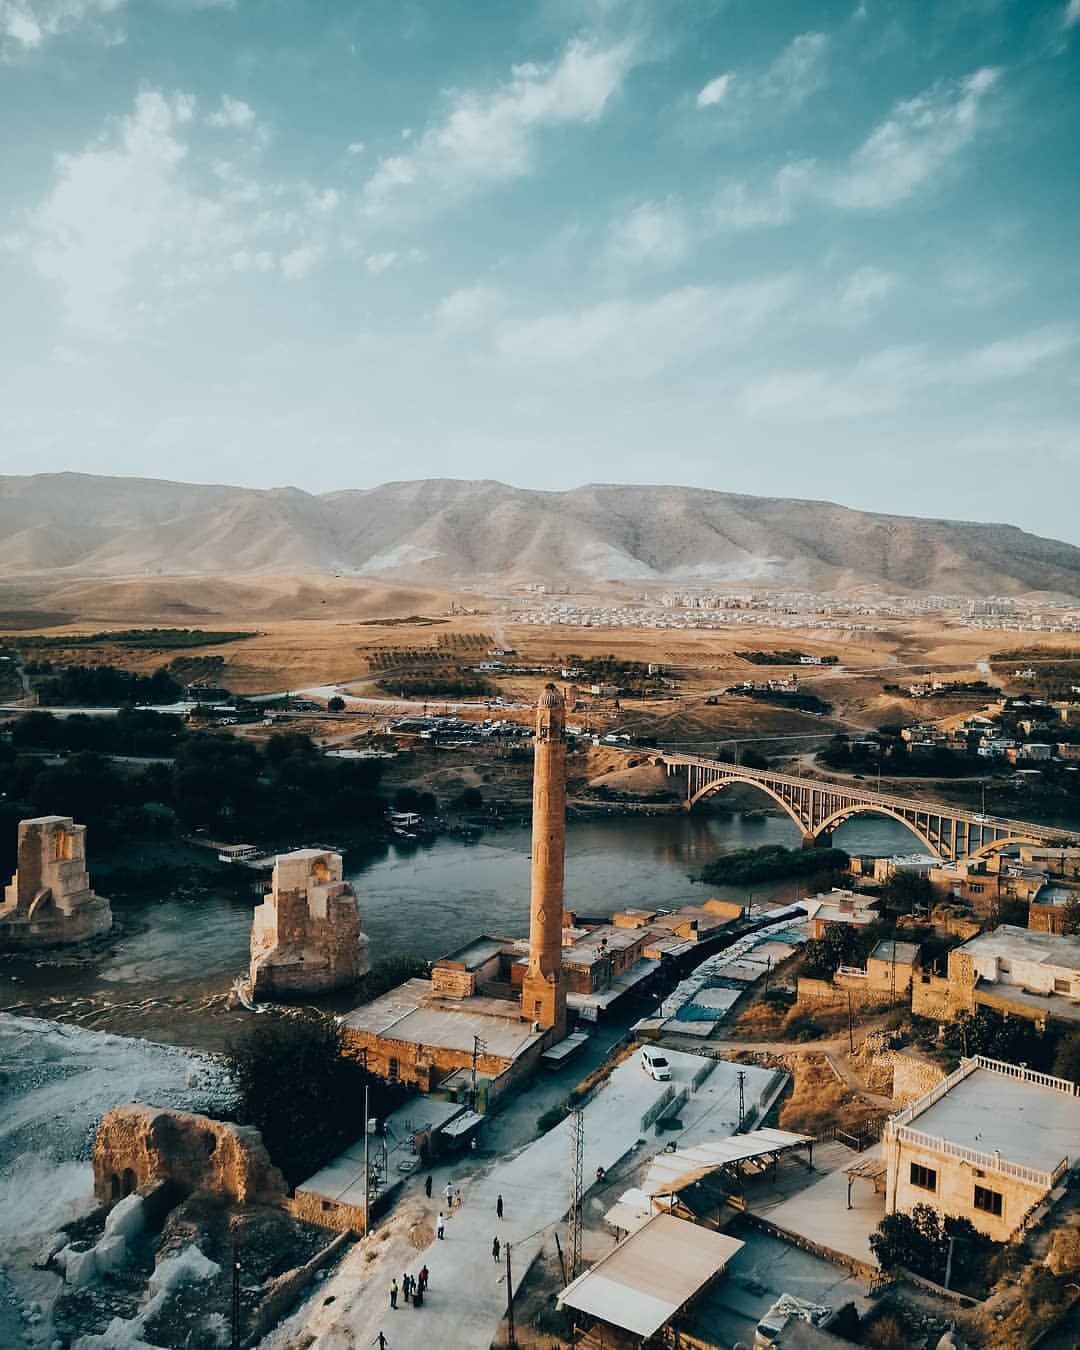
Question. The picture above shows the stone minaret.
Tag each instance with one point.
(543, 992)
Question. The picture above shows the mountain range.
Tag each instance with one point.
(447, 532)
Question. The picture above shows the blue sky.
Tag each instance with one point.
(796, 249)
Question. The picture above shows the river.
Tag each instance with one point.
(165, 973)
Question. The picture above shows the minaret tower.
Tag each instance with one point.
(543, 992)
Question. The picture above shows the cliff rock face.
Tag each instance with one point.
(305, 936)
(49, 900)
(138, 1144)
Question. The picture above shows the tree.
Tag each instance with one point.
(336, 704)
(919, 1242)
(1067, 1058)
(1070, 915)
(905, 891)
(302, 1090)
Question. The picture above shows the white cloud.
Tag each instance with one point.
(468, 309)
(28, 23)
(901, 156)
(136, 217)
(798, 71)
(297, 263)
(735, 207)
(913, 145)
(1071, 17)
(1015, 356)
(233, 114)
(355, 148)
(889, 379)
(715, 91)
(864, 287)
(641, 337)
(490, 137)
(653, 232)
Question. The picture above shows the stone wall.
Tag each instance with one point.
(49, 900)
(912, 1076)
(138, 1144)
(452, 981)
(305, 936)
(824, 992)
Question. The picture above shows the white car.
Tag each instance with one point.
(654, 1064)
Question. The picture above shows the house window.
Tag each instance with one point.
(923, 1177)
(392, 1069)
(988, 1201)
(976, 889)
(1062, 986)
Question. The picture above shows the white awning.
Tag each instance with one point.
(462, 1124)
(643, 1282)
(670, 1172)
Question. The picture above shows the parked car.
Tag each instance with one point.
(654, 1064)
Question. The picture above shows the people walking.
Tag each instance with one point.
(449, 1196)
(393, 1294)
(440, 1227)
(457, 1198)
(498, 1208)
(427, 1186)
(406, 1283)
(425, 1275)
(495, 1248)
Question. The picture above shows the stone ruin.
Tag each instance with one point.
(49, 900)
(305, 936)
(137, 1145)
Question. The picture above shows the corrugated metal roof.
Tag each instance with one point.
(670, 1172)
(644, 1281)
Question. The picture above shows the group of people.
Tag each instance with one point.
(413, 1287)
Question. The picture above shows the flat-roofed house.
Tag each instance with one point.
(991, 1143)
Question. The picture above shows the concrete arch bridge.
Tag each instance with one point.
(819, 806)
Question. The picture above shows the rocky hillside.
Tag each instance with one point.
(448, 532)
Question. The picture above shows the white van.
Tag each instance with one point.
(654, 1064)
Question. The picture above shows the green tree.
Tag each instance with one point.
(905, 891)
(1067, 1057)
(1070, 915)
(305, 1094)
(336, 704)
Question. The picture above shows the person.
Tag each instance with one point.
(457, 1197)
(495, 1247)
(425, 1275)
(427, 1186)
(498, 1208)
(449, 1196)
(440, 1227)
(383, 1342)
(393, 1294)
(405, 1281)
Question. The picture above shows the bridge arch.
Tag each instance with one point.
(1009, 841)
(710, 788)
(845, 813)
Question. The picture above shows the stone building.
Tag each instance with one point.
(138, 1144)
(477, 1020)
(1012, 970)
(49, 900)
(992, 1143)
(305, 936)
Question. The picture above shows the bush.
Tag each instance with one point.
(297, 1084)
(920, 1241)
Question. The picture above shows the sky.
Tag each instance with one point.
(797, 249)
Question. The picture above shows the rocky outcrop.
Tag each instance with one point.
(305, 936)
(137, 1144)
(49, 901)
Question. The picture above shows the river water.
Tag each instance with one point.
(173, 956)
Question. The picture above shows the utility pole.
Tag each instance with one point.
(478, 1046)
(948, 1262)
(235, 1295)
(742, 1100)
(367, 1165)
(850, 1024)
(511, 1339)
(577, 1163)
